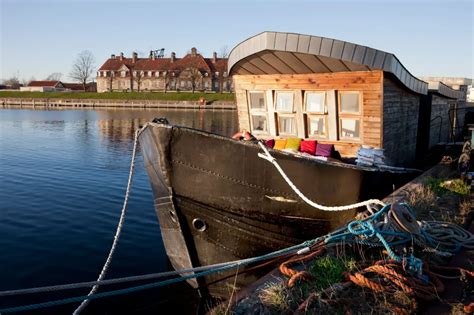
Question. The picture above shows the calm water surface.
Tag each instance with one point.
(63, 176)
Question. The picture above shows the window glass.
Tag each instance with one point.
(287, 125)
(315, 102)
(259, 123)
(350, 128)
(349, 102)
(317, 126)
(257, 100)
(284, 101)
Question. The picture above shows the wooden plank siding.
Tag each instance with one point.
(369, 83)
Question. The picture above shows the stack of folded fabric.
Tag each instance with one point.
(368, 156)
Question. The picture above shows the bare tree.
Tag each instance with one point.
(55, 76)
(195, 76)
(167, 77)
(12, 82)
(224, 52)
(111, 80)
(25, 81)
(83, 68)
(138, 78)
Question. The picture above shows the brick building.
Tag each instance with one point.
(190, 73)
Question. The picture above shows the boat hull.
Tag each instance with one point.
(217, 201)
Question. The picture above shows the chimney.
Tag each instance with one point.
(134, 57)
(214, 57)
(121, 56)
(193, 51)
(112, 56)
(173, 56)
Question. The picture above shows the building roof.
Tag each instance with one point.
(44, 83)
(77, 86)
(449, 80)
(290, 53)
(165, 64)
(444, 90)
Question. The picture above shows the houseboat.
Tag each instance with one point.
(317, 103)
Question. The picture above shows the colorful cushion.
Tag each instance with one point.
(280, 144)
(308, 146)
(293, 144)
(323, 149)
(270, 143)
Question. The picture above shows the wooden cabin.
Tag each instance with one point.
(293, 85)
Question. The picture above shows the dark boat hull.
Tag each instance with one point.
(217, 201)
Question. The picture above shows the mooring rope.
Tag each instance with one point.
(105, 268)
(282, 252)
(267, 156)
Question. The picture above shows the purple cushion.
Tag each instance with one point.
(270, 143)
(323, 149)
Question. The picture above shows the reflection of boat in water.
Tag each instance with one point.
(218, 201)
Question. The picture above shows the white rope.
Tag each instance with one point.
(267, 156)
(117, 232)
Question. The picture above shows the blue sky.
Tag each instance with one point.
(41, 37)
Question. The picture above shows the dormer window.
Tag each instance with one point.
(123, 74)
(157, 74)
(150, 74)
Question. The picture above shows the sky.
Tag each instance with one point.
(40, 37)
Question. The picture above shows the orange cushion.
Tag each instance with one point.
(280, 144)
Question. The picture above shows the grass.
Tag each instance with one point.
(440, 186)
(328, 270)
(278, 298)
(172, 96)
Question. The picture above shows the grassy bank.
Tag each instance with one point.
(170, 96)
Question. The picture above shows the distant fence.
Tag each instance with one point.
(92, 103)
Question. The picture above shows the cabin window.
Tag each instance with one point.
(286, 116)
(284, 102)
(315, 108)
(286, 125)
(257, 100)
(258, 112)
(349, 115)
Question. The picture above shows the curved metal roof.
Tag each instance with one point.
(444, 90)
(290, 53)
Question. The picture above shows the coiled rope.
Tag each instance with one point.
(267, 156)
(105, 268)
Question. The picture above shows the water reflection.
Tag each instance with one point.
(62, 179)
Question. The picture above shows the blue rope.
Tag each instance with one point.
(367, 230)
(31, 307)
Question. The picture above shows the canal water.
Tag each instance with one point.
(63, 175)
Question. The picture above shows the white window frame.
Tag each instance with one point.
(285, 113)
(258, 112)
(347, 115)
(316, 114)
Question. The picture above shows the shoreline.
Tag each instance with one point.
(113, 103)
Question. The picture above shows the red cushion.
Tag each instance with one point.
(270, 143)
(308, 146)
(324, 149)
